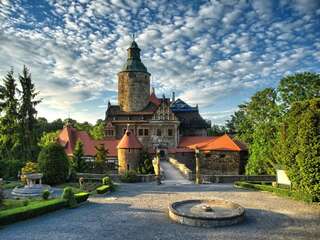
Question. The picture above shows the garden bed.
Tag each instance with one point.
(267, 187)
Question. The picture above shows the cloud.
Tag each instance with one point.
(205, 51)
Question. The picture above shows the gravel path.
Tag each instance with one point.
(138, 211)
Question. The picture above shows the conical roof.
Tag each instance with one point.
(134, 63)
(129, 140)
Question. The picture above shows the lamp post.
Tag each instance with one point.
(198, 175)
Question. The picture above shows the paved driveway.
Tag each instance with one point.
(138, 211)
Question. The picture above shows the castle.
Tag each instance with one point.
(142, 122)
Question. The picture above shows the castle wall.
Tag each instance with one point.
(133, 90)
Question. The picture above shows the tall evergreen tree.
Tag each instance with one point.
(9, 140)
(100, 158)
(78, 163)
(28, 114)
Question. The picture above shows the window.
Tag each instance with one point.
(109, 132)
(159, 132)
(140, 132)
(146, 132)
(170, 132)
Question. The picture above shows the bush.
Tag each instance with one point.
(69, 196)
(1, 195)
(45, 194)
(129, 177)
(278, 191)
(108, 181)
(25, 202)
(103, 189)
(54, 164)
(81, 197)
(32, 210)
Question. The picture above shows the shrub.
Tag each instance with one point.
(45, 194)
(81, 197)
(103, 189)
(54, 164)
(278, 191)
(25, 202)
(1, 195)
(106, 181)
(69, 196)
(32, 210)
(129, 177)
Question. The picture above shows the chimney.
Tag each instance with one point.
(173, 97)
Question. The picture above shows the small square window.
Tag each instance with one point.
(140, 132)
(146, 132)
(170, 132)
(159, 132)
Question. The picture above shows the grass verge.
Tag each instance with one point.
(283, 192)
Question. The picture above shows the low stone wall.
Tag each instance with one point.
(234, 178)
(115, 177)
(186, 172)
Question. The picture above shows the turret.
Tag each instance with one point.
(129, 152)
(133, 82)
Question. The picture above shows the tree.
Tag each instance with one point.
(216, 130)
(78, 162)
(53, 163)
(28, 114)
(97, 132)
(300, 151)
(100, 158)
(9, 138)
(48, 138)
(298, 87)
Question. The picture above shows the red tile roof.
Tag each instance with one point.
(68, 137)
(222, 143)
(129, 140)
(191, 140)
(153, 98)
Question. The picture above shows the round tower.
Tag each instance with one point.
(129, 152)
(133, 82)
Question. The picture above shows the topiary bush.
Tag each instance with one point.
(45, 194)
(108, 181)
(103, 189)
(129, 177)
(81, 197)
(54, 164)
(69, 196)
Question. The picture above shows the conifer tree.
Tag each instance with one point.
(101, 158)
(28, 114)
(78, 163)
(9, 139)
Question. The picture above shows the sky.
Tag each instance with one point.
(216, 54)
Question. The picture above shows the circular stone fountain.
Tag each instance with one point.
(206, 213)
(33, 188)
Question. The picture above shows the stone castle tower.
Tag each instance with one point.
(129, 152)
(133, 82)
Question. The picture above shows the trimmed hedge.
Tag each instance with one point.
(81, 197)
(32, 210)
(278, 191)
(103, 189)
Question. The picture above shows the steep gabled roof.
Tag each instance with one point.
(68, 137)
(129, 140)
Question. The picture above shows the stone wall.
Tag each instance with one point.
(183, 169)
(220, 163)
(133, 90)
(128, 159)
(187, 159)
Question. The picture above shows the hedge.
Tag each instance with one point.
(103, 189)
(278, 191)
(81, 197)
(21, 213)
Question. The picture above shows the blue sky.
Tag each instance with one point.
(213, 53)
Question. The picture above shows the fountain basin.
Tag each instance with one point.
(35, 191)
(206, 213)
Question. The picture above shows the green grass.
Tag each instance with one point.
(33, 209)
(283, 192)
